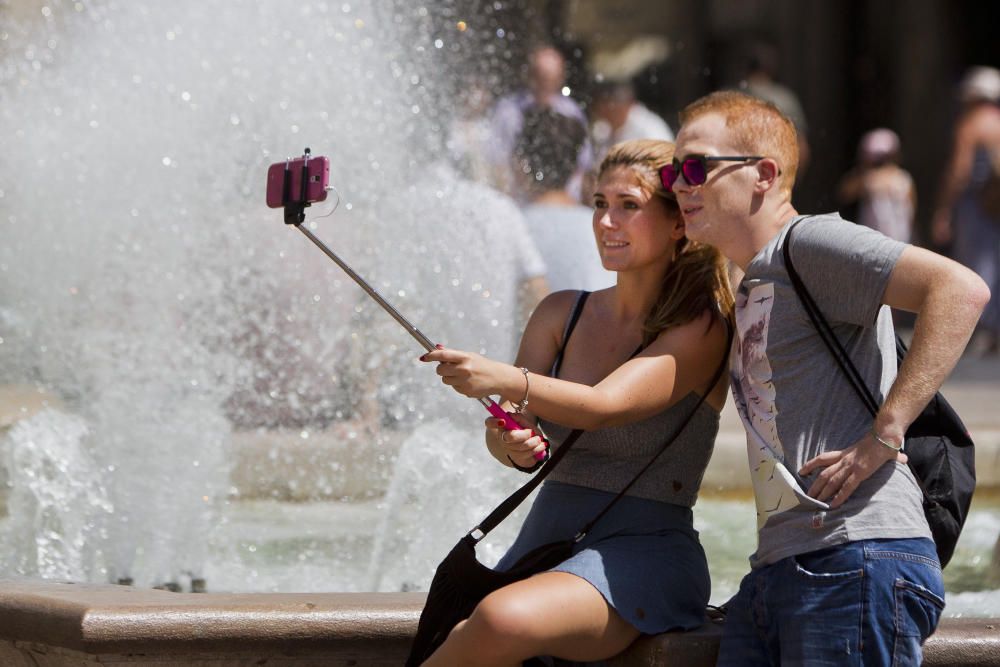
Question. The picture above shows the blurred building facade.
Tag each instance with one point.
(855, 65)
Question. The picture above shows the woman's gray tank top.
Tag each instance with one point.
(608, 459)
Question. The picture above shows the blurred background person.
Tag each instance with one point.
(880, 191)
(762, 81)
(546, 77)
(470, 132)
(545, 159)
(619, 116)
(965, 216)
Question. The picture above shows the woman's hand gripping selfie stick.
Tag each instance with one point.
(295, 215)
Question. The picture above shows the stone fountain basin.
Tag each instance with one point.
(72, 625)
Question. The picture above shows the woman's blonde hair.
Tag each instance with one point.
(698, 277)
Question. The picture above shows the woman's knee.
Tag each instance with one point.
(505, 617)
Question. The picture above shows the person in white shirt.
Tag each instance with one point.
(546, 78)
(544, 162)
(619, 116)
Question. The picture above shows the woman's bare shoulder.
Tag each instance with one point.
(556, 307)
(704, 335)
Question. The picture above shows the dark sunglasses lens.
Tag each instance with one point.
(668, 175)
(694, 171)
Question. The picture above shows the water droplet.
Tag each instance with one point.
(167, 161)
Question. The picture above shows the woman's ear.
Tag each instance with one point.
(768, 172)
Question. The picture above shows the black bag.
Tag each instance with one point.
(461, 581)
(940, 451)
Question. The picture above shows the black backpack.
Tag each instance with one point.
(940, 450)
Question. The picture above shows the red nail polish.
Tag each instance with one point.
(439, 346)
(540, 455)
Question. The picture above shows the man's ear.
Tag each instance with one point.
(677, 233)
(768, 172)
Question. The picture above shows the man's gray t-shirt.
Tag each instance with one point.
(795, 401)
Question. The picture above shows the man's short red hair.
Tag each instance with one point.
(757, 126)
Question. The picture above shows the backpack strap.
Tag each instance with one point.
(825, 331)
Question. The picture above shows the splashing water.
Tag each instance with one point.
(205, 364)
(144, 284)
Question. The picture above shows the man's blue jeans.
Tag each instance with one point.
(870, 603)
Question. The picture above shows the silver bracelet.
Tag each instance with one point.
(520, 406)
(886, 443)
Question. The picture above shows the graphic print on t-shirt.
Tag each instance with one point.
(775, 489)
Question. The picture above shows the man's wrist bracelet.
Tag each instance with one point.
(885, 443)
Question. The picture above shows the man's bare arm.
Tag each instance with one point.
(948, 300)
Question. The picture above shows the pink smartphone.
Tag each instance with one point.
(284, 180)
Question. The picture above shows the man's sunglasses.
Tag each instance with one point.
(695, 168)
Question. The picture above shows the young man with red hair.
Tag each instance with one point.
(845, 570)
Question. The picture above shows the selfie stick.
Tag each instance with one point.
(295, 215)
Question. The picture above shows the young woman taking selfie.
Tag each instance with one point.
(631, 365)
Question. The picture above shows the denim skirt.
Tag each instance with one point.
(643, 555)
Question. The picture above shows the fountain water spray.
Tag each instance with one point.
(140, 285)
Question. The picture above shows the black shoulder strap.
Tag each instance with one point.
(516, 498)
(840, 355)
(504, 509)
(574, 317)
(673, 436)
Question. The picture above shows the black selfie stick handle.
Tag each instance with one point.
(295, 211)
